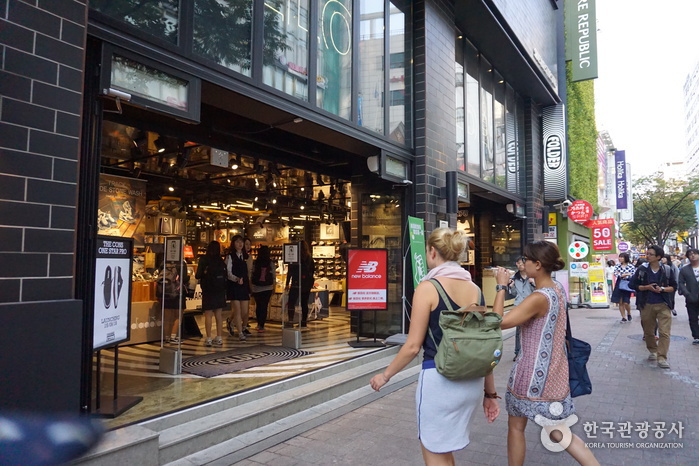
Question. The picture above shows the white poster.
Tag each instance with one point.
(112, 303)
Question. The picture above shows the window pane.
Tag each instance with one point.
(370, 98)
(335, 56)
(473, 138)
(520, 146)
(499, 128)
(157, 17)
(487, 156)
(399, 80)
(459, 105)
(223, 33)
(285, 61)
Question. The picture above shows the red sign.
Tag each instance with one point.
(367, 279)
(602, 237)
(188, 252)
(580, 211)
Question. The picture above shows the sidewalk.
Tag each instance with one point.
(626, 388)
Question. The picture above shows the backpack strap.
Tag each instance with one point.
(447, 301)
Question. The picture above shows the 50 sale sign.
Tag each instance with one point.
(602, 234)
(367, 279)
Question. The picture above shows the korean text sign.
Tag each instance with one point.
(602, 234)
(367, 279)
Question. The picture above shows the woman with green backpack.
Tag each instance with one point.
(444, 406)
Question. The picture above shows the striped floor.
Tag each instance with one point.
(139, 373)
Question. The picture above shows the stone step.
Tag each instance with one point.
(185, 433)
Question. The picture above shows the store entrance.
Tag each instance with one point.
(157, 184)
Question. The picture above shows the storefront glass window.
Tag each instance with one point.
(507, 242)
(285, 64)
(499, 129)
(522, 175)
(511, 148)
(399, 88)
(473, 138)
(223, 34)
(381, 226)
(486, 118)
(334, 78)
(370, 98)
(157, 17)
(459, 105)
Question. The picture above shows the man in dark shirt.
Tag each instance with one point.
(655, 286)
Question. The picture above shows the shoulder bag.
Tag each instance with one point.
(578, 355)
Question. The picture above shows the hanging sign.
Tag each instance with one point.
(416, 228)
(602, 234)
(367, 279)
(622, 191)
(579, 269)
(623, 247)
(580, 211)
(112, 302)
(555, 161)
(578, 250)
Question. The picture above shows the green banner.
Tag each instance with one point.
(581, 38)
(416, 228)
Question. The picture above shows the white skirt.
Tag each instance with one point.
(444, 410)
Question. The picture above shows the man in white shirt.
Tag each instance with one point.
(689, 288)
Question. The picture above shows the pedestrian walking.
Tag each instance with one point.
(520, 287)
(238, 291)
(676, 273)
(444, 407)
(689, 288)
(623, 272)
(654, 287)
(213, 278)
(538, 387)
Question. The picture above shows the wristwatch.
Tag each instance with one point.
(500, 287)
(662, 289)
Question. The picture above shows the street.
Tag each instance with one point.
(628, 391)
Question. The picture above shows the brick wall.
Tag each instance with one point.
(534, 170)
(435, 111)
(42, 44)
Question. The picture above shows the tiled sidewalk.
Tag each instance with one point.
(627, 388)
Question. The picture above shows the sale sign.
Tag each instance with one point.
(580, 211)
(367, 279)
(602, 234)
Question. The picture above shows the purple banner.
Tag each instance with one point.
(621, 180)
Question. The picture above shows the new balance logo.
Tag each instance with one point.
(367, 267)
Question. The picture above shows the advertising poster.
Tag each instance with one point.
(122, 207)
(579, 269)
(598, 285)
(602, 234)
(367, 279)
(112, 304)
(416, 229)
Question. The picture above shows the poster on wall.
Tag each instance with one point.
(121, 208)
(329, 231)
(112, 303)
(367, 279)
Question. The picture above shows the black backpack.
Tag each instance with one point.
(263, 275)
(215, 276)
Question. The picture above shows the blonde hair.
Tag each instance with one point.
(451, 245)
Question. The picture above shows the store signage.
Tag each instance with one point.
(598, 285)
(579, 269)
(602, 234)
(416, 229)
(578, 250)
(552, 232)
(112, 302)
(580, 211)
(291, 253)
(623, 246)
(555, 154)
(581, 35)
(367, 279)
(622, 192)
(122, 207)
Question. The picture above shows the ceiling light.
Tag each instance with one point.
(298, 120)
(171, 188)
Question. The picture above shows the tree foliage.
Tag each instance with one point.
(582, 139)
(661, 207)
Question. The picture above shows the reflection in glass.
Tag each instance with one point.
(486, 116)
(223, 33)
(286, 66)
(370, 97)
(334, 78)
(399, 78)
(149, 83)
(459, 105)
(473, 139)
(499, 129)
(157, 17)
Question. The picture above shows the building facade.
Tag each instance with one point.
(284, 120)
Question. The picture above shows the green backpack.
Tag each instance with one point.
(471, 343)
